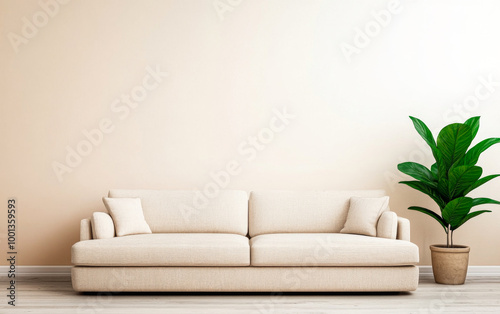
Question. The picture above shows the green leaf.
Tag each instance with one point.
(426, 189)
(471, 215)
(442, 168)
(443, 189)
(424, 131)
(430, 213)
(473, 154)
(484, 200)
(456, 210)
(480, 182)
(418, 172)
(461, 178)
(434, 170)
(473, 123)
(426, 134)
(453, 142)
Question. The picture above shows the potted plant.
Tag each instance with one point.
(448, 182)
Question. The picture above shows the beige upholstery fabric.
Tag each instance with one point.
(175, 249)
(330, 249)
(102, 226)
(403, 229)
(192, 211)
(387, 226)
(363, 215)
(85, 230)
(218, 279)
(164, 261)
(296, 211)
(127, 215)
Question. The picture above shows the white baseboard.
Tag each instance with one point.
(37, 270)
(425, 271)
(473, 271)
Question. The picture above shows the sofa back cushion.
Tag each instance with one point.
(301, 212)
(191, 211)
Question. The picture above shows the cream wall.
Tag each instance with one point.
(225, 77)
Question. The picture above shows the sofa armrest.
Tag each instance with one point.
(403, 229)
(387, 225)
(85, 230)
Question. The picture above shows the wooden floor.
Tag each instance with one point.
(54, 295)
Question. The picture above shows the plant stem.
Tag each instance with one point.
(448, 236)
(451, 237)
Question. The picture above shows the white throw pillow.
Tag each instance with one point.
(127, 215)
(363, 215)
(102, 226)
(387, 226)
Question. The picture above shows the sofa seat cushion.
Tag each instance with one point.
(161, 249)
(330, 249)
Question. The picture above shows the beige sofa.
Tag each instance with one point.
(239, 241)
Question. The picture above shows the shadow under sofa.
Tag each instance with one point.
(287, 241)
